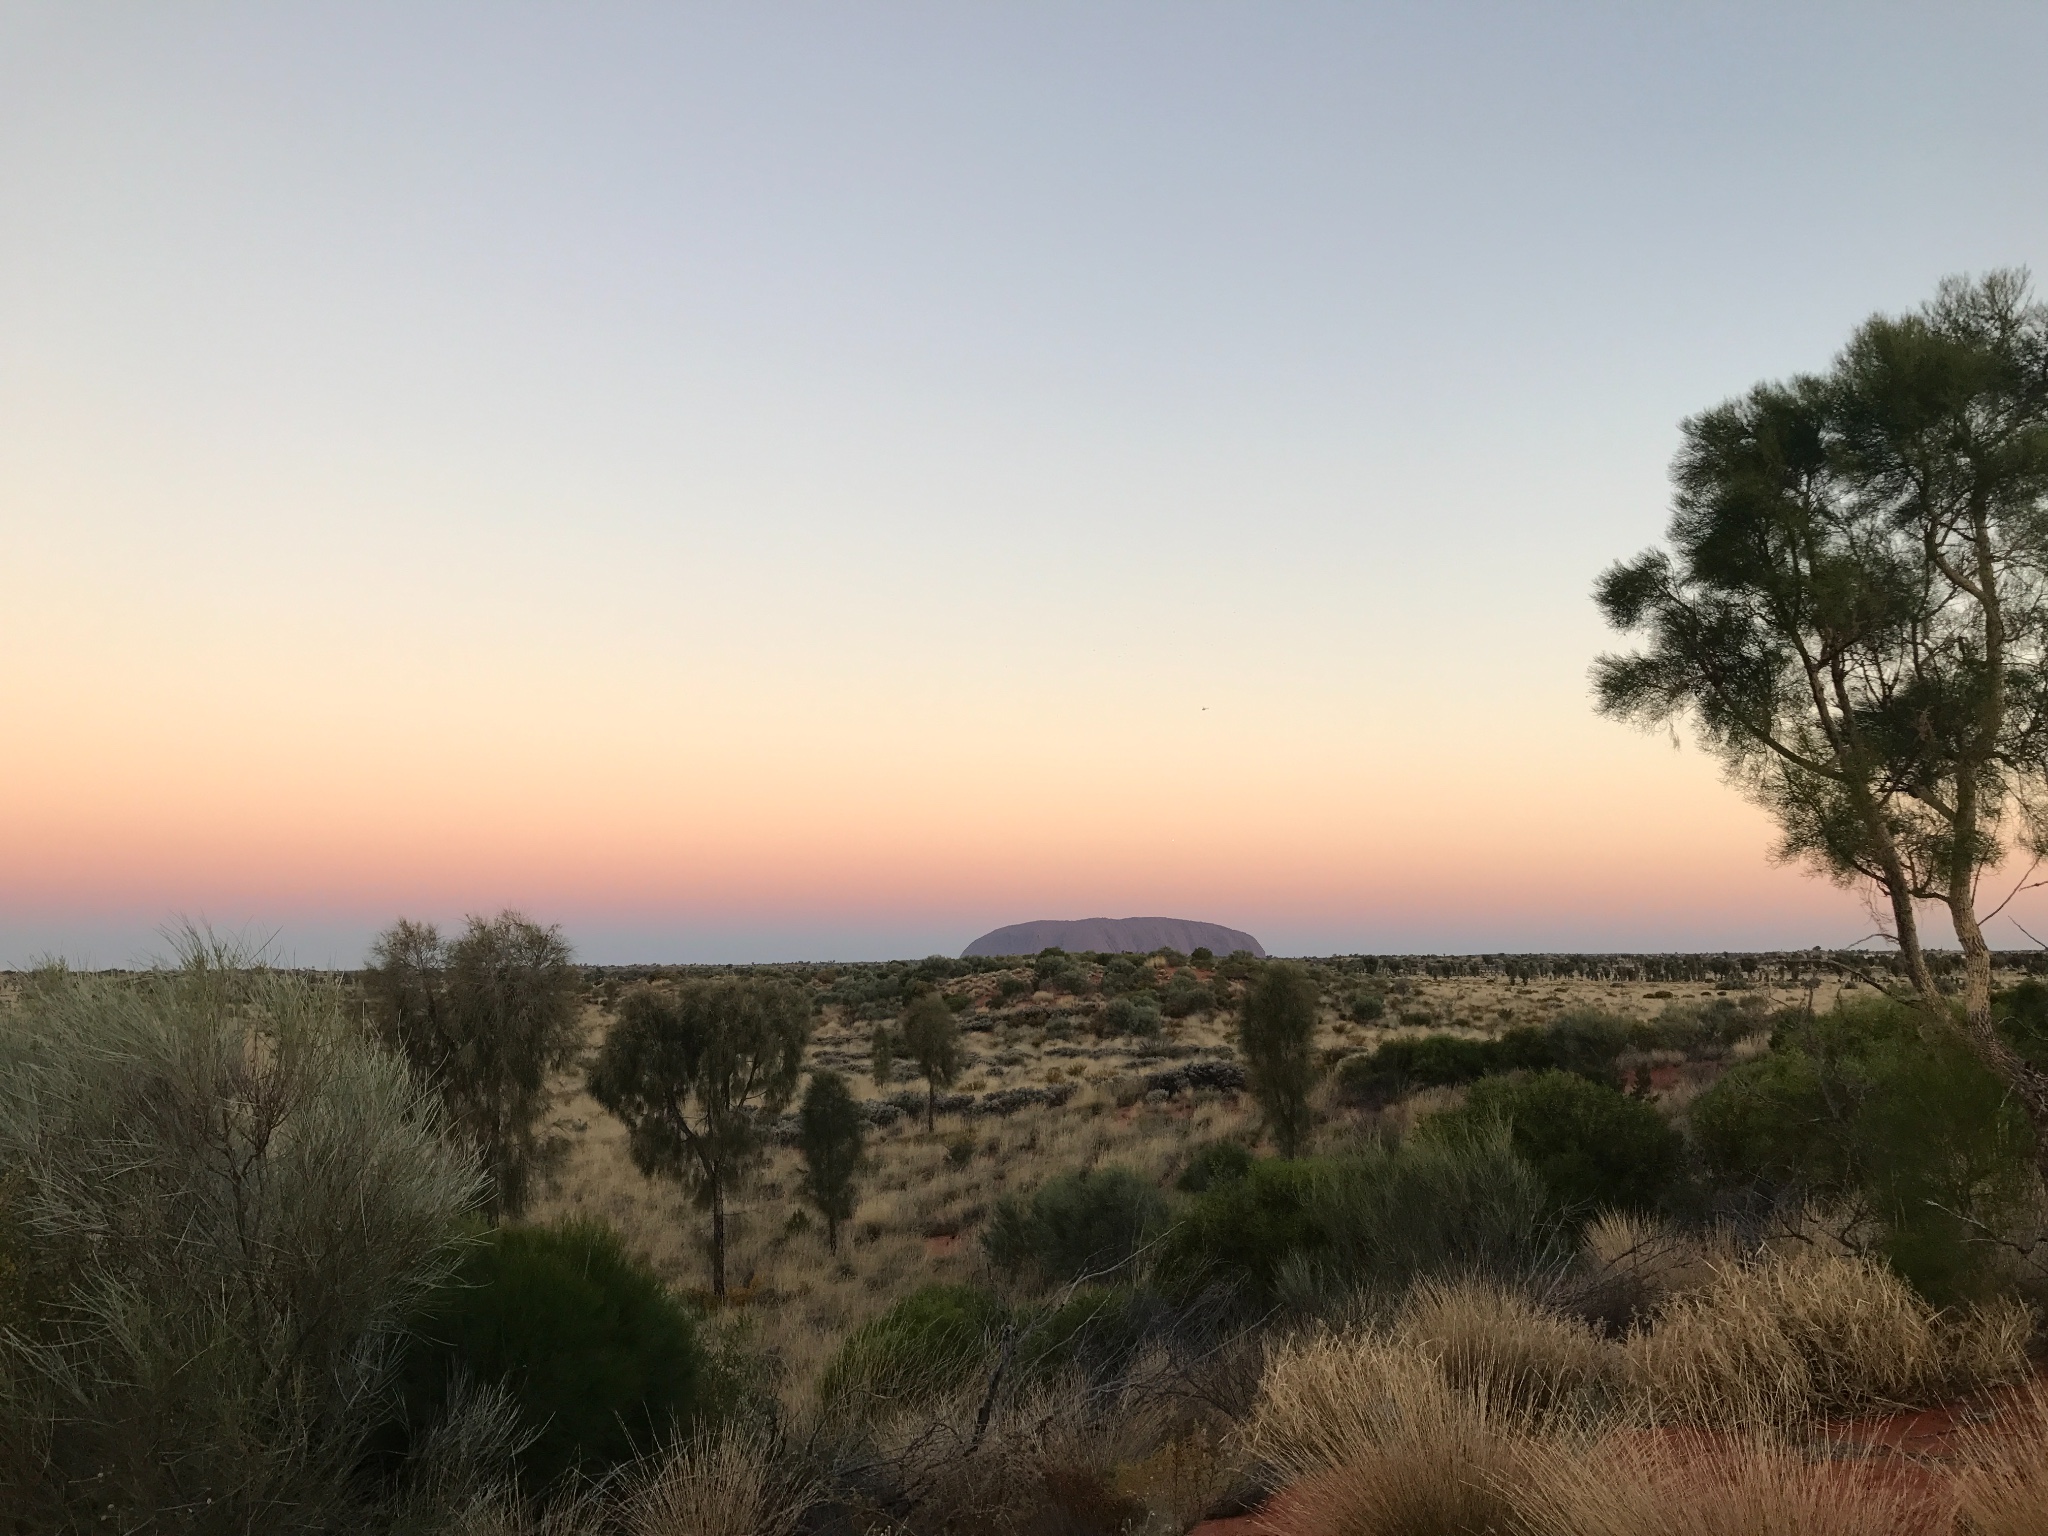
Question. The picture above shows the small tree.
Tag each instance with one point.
(1277, 1035)
(829, 1132)
(485, 1020)
(931, 1038)
(695, 1074)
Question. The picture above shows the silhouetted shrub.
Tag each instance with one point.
(602, 1361)
(1240, 1232)
(1218, 1162)
(1593, 1146)
(1585, 1044)
(1079, 1224)
(931, 1342)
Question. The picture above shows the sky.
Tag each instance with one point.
(787, 481)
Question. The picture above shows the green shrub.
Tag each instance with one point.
(1379, 1220)
(1367, 1008)
(602, 1361)
(1470, 1206)
(1124, 1016)
(1593, 1146)
(1186, 996)
(1238, 1233)
(1863, 1104)
(931, 1342)
(1079, 1224)
(1216, 1162)
(1010, 988)
(1586, 1044)
(1098, 1330)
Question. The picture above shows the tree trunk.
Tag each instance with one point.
(931, 1100)
(718, 1239)
(831, 1233)
(2026, 1082)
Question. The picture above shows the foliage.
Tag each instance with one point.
(1317, 1230)
(1123, 1016)
(603, 1363)
(224, 1202)
(1215, 1162)
(1854, 611)
(1276, 1032)
(695, 1073)
(1185, 996)
(1864, 1105)
(931, 1342)
(1098, 1330)
(1366, 1008)
(830, 1132)
(931, 1038)
(1077, 1226)
(1585, 1043)
(484, 1019)
(1594, 1147)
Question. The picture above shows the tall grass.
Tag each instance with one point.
(1806, 1335)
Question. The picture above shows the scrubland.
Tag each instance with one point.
(1724, 1248)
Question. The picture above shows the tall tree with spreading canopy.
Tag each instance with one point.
(1854, 613)
(696, 1075)
(485, 1020)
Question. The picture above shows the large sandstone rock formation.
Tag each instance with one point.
(1113, 935)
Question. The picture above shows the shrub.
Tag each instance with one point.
(1010, 988)
(223, 1202)
(602, 1361)
(930, 1343)
(1099, 1330)
(738, 1482)
(1380, 1220)
(1593, 1146)
(1586, 1044)
(1366, 1008)
(1863, 1105)
(1497, 1344)
(1079, 1224)
(1215, 1162)
(1240, 1232)
(1123, 1016)
(1276, 1032)
(1186, 996)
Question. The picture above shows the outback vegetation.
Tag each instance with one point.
(483, 1240)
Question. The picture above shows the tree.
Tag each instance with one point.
(829, 1133)
(931, 1038)
(484, 1020)
(1854, 613)
(1276, 1031)
(695, 1075)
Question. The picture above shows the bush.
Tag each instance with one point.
(1186, 996)
(1077, 1225)
(930, 1343)
(1862, 1106)
(1586, 1044)
(1240, 1232)
(1378, 1221)
(1099, 1330)
(602, 1361)
(1123, 1016)
(222, 1202)
(1367, 1008)
(1217, 1162)
(1593, 1146)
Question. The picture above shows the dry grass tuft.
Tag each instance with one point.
(1808, 1335)
(1633, 1484)
(1377, 1442)
(1505, 1349)
(2002, 1482)
(730, 1484)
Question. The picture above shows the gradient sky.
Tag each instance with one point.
(771, 481)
